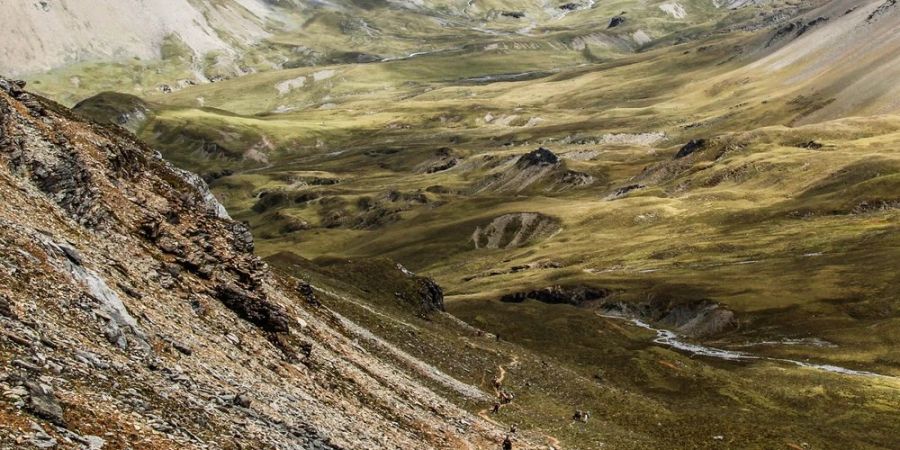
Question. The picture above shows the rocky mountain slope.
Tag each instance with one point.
(136, 316)
(844, 54)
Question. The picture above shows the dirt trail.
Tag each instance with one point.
(554, 442)
(513, 362)
(498, 386)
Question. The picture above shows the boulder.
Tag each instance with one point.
(243, 400)
(431, 295)
(6, 308)
(540, 157)
(616, 21)
(42, 403)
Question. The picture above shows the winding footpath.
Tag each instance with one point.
(498, 384)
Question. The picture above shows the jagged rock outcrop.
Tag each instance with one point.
(566, 295)
(430, 294)
(537, 169)
(43, 403)
(133, 313)
(624, 191)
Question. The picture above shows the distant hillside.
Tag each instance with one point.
(846, 54)
(61, 32)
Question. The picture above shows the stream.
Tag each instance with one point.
(418, 54)
(671, 339)
(508, 77)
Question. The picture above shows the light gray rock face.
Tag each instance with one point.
(57, 35)
(212, 203)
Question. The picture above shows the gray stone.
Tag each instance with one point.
(115, 336)
(42, 403)
(95, 442)
(91, 359)
(182, 348)
(6, 308)
(242, 400)
(41, 439)
(72, 254)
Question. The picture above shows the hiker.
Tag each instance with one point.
(507, 443)
(496, 408)
(581, 416)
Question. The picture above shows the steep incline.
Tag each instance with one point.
(134, 313)
(843, 56)
(63, 32)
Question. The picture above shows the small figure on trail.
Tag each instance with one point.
(496, 408)
(497, 383)
(507, 443)
(581, 416)
(498, 337)
(506, 397)
(513, 429)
